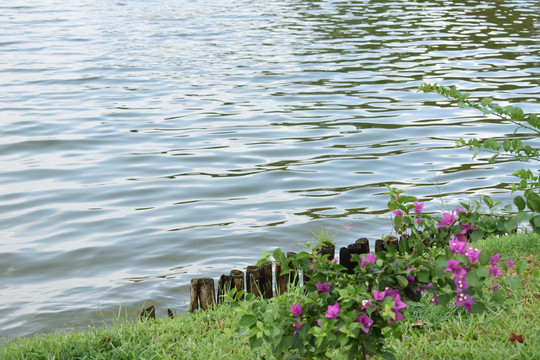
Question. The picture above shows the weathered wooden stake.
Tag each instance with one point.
(364, 244)
(393, 240)
(148, 313)
(361, 246)
(266, 280)
(379, 246)
(224, 286)
(194, 295)
(207, 293)
(253, 280)
(237, 280)
(282, 281)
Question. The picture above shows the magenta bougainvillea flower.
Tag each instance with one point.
(460, 282)
(494, 271)
(510, 263)
(323, 287)
(418, 207)
(447, 219)
(296, 309)
(434, 301)
(297, 326)
(495, 287)
(319, 323)
(366, 321)
(457, 246)
(472, 254)
(494, 259)
(333, 311)
(379, 295)
(452, 265)
(370, 258)
(465, 300)
(398, 213)
(399, 316)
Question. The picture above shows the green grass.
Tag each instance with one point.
(445, 332)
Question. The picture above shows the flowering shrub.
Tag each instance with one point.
(357, 312)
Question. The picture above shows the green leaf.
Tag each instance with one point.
(472, 279)
(533, 201)
(486, 101)
(488, 201)
(519, 202)
(402, 281)
(443, 299)
(521, 266)
(514, 283)
(484, 257)
(248, 320)
(478, 308)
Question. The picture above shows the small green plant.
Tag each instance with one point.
(323, 237)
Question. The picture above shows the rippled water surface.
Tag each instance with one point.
(147, 142)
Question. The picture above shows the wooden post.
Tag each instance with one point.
(364, 243)
(379, 246)
(361, 246)
(237, 281)
(224, 286)
(393, 240)
(194, 295)
(327, 250)
(207, 293)
(148, 313)
(282, 281)
(266, 280)
(253, 280)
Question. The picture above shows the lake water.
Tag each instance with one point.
(144, 143)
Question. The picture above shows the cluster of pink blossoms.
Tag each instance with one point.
(459, 246)
(364, 319)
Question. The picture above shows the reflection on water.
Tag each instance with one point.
(144, 143)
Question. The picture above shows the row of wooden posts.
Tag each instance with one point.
(258, 280)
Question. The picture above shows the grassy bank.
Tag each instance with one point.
(429, 332)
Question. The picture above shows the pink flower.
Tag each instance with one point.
(465, 300)
(334, 261)
(399, 316)
(297, 327)
(319, 323)
(472, 254)
(370, 258)
(452, 265)
(323, 287)
(333, 311)
(366, 321)
(460, 282)
(296, 309)
(494, 259)
(510, 263)
(447, 219)
(495, 287)
(418, 220)
(418, 207)
(494, 271)
(398, 304)
(457, 246)
(398, 213)
(379, 295)
(434, 301)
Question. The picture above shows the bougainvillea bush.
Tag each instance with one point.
(357, 312)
